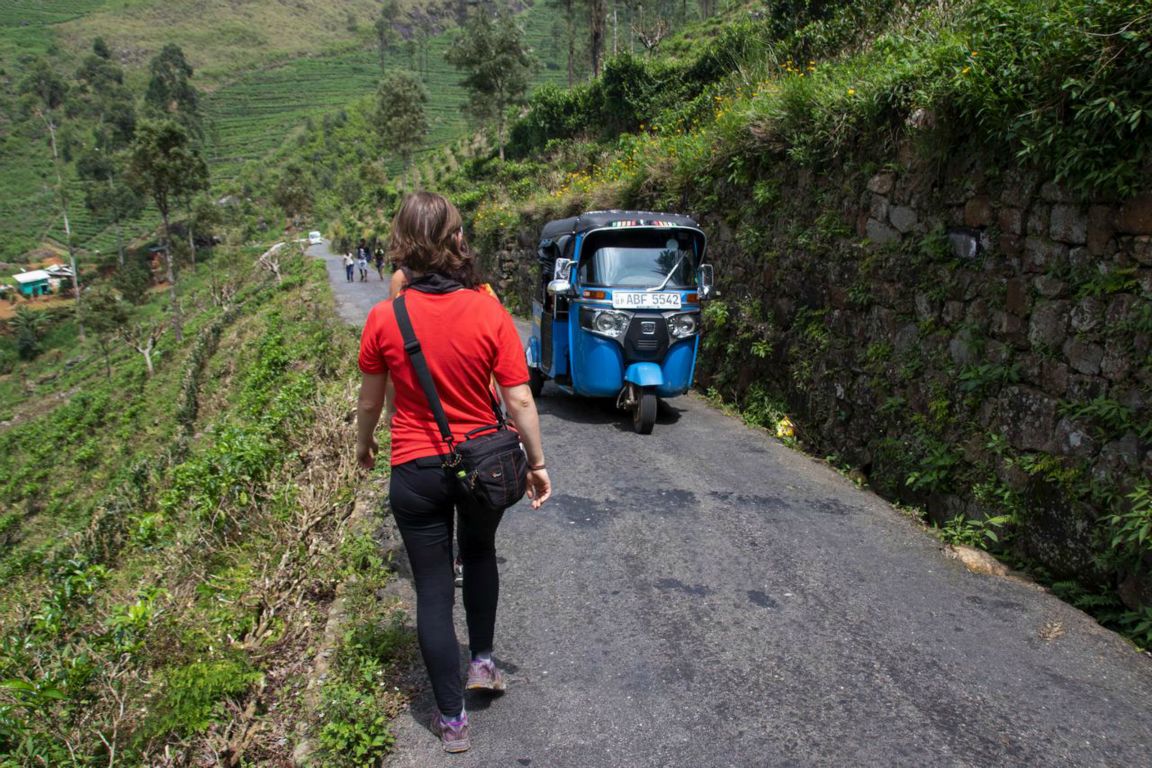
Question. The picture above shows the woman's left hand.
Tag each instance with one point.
(539, 487)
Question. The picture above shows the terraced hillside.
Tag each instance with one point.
(263, 70)
(253, 115)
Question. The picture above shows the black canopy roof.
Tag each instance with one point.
(597, 219)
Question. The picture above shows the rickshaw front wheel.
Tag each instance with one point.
(644, 417)
(535, 380)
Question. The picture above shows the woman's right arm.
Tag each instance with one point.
(373, 389)
(522, 412)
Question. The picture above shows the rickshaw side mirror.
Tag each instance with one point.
(561, 288)
(706, 282)
(562, 270)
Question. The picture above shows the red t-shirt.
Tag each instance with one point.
(467, 337)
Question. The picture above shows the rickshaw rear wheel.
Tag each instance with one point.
(644, 417)
(535, 381)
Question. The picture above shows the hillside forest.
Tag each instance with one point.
(932, 230)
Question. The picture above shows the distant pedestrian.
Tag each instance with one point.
(363, 253)
(380, 262)
(349, 263)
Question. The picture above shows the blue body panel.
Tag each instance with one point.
(678, 367)
(644, 375)
(600, 372)
(560, 347)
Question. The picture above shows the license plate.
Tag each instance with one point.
(645, 300)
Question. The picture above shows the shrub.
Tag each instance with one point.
(192, 697)
(1065, 85)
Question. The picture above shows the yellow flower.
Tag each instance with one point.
(785, 428)
(966, 70)
(851, 91)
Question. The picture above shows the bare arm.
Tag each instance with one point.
(522, 412)
(373, 391)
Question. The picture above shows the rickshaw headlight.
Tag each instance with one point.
(606, 322)
(610, 323)
(682, 326)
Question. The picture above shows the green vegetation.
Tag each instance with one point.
(812, 91)
(256, 89)
(170, 508)
(160, 533)
(492, 54)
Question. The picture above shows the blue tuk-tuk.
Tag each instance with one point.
(616, 310)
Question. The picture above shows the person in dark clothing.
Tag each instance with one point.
(380, 262)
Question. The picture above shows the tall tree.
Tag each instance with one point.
(400, 119)
(293, 192)
(45, 93)
(108, 198)
(497, 62)
(203, 216)
(597, 19)
(170, 90)
(567, 10)
(167, 166)
(105, 98)
(386, 34)
(107, 314)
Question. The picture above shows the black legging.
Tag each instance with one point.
(424, 498)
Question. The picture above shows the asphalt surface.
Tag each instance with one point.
(705, 596)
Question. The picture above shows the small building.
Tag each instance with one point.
(34, 283)
(59, 277)
(59, 271)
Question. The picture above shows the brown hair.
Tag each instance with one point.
(427, 236)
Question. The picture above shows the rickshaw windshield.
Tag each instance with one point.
(643, 259)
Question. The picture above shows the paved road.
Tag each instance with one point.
(353, 300)
(705, 596)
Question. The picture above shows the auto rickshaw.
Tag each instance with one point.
(616, 310)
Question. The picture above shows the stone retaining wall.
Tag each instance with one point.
(971, 341)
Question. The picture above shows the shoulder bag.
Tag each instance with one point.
(489, 465)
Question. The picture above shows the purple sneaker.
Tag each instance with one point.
(453, 733)
(483, 676)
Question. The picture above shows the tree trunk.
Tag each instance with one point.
(569, 14)
(596, 25)
(107, 362)
(147, 352)
(119, 230)
(191, 242)
(120, 242)
(67, 225)
(177, 317)
(169, 271)
(177, 322)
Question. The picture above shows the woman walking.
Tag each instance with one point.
(468, 338)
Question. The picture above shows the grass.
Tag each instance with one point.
(158, 554)
(222, 38)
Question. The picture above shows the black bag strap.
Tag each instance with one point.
(424, 376)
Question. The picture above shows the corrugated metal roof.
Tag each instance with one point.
(32, 277)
